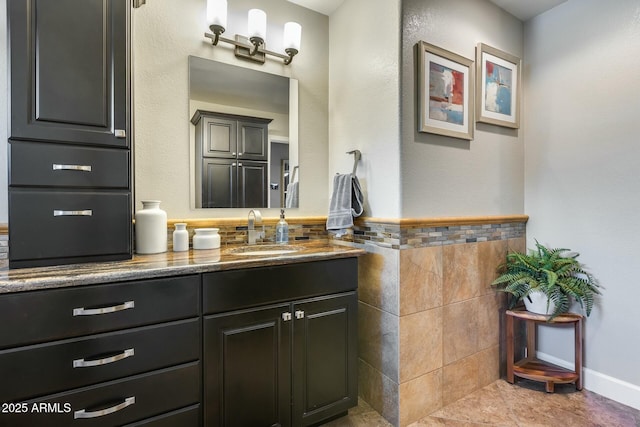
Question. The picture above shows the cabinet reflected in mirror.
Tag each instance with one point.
(244, 132)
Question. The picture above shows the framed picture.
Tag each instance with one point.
(446, 92)
(498, 98)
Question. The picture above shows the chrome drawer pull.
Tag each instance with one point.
(94, 311)
(86, 212)
(82, 413)
(299, 314)
(81, 168)
(81, 363)
(120, 133)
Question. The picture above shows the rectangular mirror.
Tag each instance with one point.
(244, 137)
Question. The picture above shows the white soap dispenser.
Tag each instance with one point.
(282, 229)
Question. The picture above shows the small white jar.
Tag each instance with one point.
(206, 238)
(180, 237)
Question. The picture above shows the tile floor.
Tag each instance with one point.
(505, 405)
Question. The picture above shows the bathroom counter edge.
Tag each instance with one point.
(166, 264)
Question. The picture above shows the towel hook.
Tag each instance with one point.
(356, 158)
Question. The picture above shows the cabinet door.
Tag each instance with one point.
(252, 187)
(252, 140)
(219, 183)
(219, 136)
(70, 71)
(324, 358)
(247, 368)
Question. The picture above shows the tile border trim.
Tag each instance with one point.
(408, 233)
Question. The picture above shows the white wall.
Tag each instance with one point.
(165, 34)
(443, 176)
(364, 104)
(582, 152)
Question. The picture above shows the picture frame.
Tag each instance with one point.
(498, 85)
(446, 92)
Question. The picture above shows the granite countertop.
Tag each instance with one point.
(163, 265)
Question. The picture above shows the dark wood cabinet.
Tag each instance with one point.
(247, 365)
(231, 136)
(47, 225)
(70, 71)
(112, 353)
(232, 183)
(324, 357)
(70, 132)
(265, 346)
(291, 359)
(231, 162)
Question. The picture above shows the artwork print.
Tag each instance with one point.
(445, 90)
(498, 85)
(446, 94)
(498, 89)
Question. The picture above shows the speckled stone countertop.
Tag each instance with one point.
(163, 265)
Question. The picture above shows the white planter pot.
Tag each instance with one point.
(539, 303)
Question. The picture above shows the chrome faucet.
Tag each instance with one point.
(255, 217)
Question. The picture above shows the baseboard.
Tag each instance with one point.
(597, 382)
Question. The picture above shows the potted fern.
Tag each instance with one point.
(552, 275)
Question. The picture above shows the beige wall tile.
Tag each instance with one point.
(378, 278)
(517, 245)
(488, 366)
(460, 272)
(460, 330)
(420, 397)
(488, 321)
(420, 343)
(378, 391)
(378, 338)
(459, 379)
(490, 256)
(420, 279)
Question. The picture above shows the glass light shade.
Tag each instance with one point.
(257, 23)
(292, 35)
(217, 12)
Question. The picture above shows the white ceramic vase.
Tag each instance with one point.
(206, 238)
(180, 237)
(151, 228)
(537, 302)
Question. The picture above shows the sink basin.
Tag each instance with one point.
(254, 250)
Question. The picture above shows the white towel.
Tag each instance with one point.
(291, 200)
(346, 203)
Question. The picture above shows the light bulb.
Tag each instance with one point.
(217, 12)
(257, 24)
(292, 35)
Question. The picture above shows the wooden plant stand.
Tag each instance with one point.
(537, 370)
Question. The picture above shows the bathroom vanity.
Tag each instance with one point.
(214, 338)
(70, 132)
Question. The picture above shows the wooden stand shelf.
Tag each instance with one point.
(537, 370)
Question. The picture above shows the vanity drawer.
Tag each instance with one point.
(53, 314)
(236, 289)
(40, 370)
(185, 417)
(50, 224)
(57, 165)
(115, 403)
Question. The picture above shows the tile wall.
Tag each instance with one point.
(429, 323)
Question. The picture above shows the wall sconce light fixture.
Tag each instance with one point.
(253, 49)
